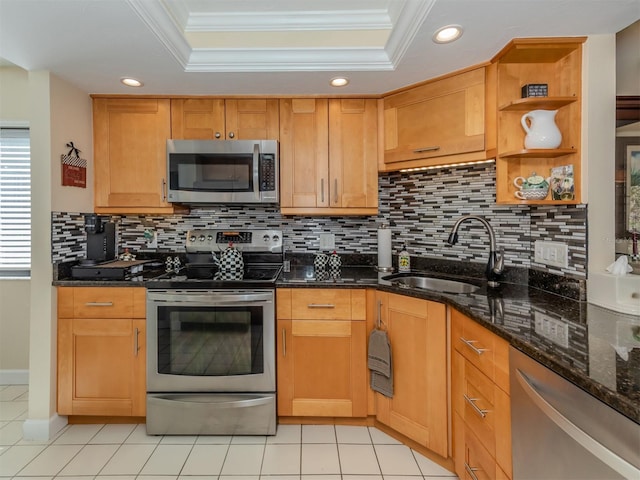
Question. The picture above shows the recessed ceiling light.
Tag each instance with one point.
(447, 34)
(339, 81)
(131, 82)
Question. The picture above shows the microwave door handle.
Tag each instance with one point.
(256, 169)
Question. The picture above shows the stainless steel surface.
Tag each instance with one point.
(265, 382)
(252, 240)
(263, 154)
(431, 283)
(211, 414)
(560, 431)
(495, 265)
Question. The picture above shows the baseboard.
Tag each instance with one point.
(43, 430)
(14, 377)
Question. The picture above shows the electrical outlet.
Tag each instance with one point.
(327, 241)
(555, 254)
(552, 329)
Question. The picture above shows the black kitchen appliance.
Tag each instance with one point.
(101, 239)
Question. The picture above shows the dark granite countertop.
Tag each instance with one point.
(594, 348)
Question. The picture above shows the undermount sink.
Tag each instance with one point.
(430, 283)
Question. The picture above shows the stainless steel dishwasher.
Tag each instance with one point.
(561, 432)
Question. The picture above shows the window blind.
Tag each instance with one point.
(15, 202)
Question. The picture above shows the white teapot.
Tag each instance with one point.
(542, 131)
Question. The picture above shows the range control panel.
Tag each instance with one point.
(206, 240)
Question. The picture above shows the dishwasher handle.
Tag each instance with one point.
(601, 452)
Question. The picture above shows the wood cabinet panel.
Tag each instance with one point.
(353, 153)
(321, 361)
(488, 352)
(101, 360)
(331, 304)
(328, 156)
(417, 331)
(206, 118)
(441, 118)
(197, 118)
(482, 411)
(130, 138)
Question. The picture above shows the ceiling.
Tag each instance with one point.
(278, 47)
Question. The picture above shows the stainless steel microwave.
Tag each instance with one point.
(222, 171)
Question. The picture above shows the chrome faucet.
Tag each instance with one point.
(495, 265)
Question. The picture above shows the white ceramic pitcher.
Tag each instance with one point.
(541, 128)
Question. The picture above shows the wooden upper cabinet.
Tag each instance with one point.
(230, 119)
(197, 118)
(130, 136)
(556, 62)
(328, 156)
(441, 118)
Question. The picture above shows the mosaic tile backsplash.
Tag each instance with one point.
(420, 208)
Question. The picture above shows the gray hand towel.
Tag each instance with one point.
(379, 362)
(379, 353)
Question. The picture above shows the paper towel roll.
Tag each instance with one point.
(384, 248)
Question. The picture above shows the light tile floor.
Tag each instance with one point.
(126, 452)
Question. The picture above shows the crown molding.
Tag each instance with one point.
(171, 22)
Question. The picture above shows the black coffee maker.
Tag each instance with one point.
(101, 239)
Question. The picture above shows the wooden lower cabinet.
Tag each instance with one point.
(321, 352)
(101, 351)
(480, 401)
(417, 331)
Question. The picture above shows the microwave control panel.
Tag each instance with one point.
(267, 175)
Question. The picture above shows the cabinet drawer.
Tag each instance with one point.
(101, 302)
(488, 352)
(328, 304)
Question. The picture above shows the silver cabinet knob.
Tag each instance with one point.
(217, 135)
(231, 135)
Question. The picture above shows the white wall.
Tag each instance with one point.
(14, 294)
(58, 113)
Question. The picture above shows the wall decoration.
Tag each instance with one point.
(633, 188)
(74, 168)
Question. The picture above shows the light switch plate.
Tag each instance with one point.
(327, 241)
(555, 254)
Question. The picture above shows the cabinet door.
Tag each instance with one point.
(328, 156)
(440, 118)
(417, 331)
(353, 153)
(197, 118)
(304, 153)
(130, 138)
(322, 368)
(99, 373)
(252, 119)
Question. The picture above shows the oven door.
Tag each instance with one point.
(210, 341)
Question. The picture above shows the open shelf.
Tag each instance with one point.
(533, 103)
(539, 153)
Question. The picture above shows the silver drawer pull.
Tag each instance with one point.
(321, 305)
(427, 149)
(470, 344)
(472, 402)
(471, 471)
(99, 304)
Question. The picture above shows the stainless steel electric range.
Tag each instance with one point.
(211, 338)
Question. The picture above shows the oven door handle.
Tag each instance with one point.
(198, 298)
(220, 400)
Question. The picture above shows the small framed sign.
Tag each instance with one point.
(74, 168)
